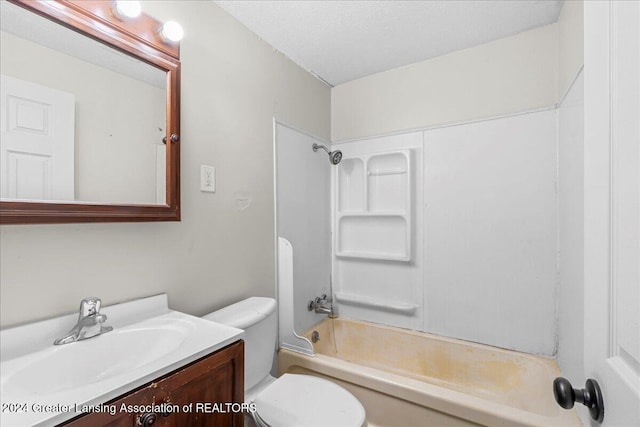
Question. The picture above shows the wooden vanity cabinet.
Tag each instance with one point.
(212, 382)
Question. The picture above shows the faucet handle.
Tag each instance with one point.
(90, 306)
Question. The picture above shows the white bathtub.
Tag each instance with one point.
(408, 378)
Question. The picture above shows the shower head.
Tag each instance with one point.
(334, 156)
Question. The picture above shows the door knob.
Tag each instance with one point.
(174, 138)
(148, 419)
(590, 396)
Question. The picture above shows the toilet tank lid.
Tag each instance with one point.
(244, 313)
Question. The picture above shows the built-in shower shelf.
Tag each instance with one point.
(388, 172)
(373, 214)
(373, 236)
(376, 303)
(374, 255)
(373, 200)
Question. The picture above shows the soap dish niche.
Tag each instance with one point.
(373, 201)
(388, 182)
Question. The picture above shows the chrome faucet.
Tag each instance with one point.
(90, 322)
(323, 305)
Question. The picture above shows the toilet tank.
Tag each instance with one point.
(257, 316)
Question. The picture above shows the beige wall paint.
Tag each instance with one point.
(509, 75)
(232, 85)
(570, 43)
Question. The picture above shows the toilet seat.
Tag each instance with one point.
(305, 401)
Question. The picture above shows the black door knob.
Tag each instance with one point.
(590, 396)
(148, 419)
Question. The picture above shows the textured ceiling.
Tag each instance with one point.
(343, 40)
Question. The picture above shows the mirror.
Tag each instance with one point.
(86, 107)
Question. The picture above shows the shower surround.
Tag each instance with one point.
(452, 230)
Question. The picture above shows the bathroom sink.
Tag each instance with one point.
(147, 341)
(83, 363)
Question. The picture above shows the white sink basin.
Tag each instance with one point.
(96, 370)
(81, 363)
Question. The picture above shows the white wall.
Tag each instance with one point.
(571, 191)
(485, 235)
(513, 74)
(490, 232)
(232, 86)
(303, 186)
(571, 335)
(571, 237)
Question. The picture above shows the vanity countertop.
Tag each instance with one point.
(43, 385)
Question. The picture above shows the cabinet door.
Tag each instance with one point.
(199, 392)
(206, 386)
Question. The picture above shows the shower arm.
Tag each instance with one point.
(316, 146)
(334, 156)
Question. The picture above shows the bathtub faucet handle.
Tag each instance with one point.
(322, 305)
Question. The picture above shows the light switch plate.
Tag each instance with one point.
(207, 178)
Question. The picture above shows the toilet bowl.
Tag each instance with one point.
(291, 400)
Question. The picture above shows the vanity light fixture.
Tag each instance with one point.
(172, 31)
(126, 9)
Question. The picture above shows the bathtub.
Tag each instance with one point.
(408, 378)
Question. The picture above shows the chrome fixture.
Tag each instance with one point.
(334, 156)
(323, 305)
(89, 322)
(315, 336)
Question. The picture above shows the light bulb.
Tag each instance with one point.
(172, 31)
(126, 9)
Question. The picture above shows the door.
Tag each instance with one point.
(612, 212)
(37, 141)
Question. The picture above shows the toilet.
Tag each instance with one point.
(291, 400)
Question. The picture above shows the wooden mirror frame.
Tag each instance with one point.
(140, 38)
